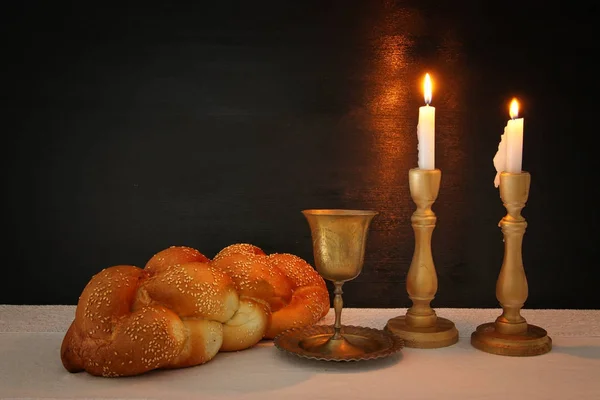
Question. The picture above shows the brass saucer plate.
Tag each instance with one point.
(382, 343)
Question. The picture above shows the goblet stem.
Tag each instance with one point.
(338, 304)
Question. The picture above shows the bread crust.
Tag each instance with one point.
(295, 292)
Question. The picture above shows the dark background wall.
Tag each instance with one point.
(131, 129)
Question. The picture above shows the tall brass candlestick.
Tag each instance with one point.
(421, 327)
(510, 334)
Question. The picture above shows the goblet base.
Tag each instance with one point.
(350, 345)
(357, 343)
(442, 334)
(534, 342)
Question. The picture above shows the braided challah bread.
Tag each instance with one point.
(182, 308)
(176, 312)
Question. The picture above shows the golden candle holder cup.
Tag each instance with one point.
(421, 327)
(339, 240)
(510, 334)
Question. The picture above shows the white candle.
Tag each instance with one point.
(426, 130)
(514, 140)
(509, 156)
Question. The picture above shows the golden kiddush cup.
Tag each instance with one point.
(421, 327)
(339, 239)
(510, 334)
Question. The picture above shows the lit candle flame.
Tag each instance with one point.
(427, 89)
(514, 109)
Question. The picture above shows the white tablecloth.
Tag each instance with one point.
(30, 366)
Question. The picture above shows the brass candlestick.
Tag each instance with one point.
(510, 334)
(421, 327)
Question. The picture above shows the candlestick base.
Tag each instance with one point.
(533, 342)
(442, 333)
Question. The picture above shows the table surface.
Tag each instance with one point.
(30, 366)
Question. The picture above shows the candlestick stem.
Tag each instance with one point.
(510, 334)
(421, 327)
